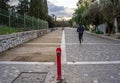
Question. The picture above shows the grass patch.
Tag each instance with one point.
(7, 30)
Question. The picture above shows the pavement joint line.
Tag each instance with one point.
(93, 63)
(70, 28)
(43, 43)
(63, 47)
(28, 63)
(51, 37)
(91, 44)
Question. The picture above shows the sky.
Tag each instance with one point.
(65, 3)
(62, 9)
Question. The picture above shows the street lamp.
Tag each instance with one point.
(10, 18)
(9, 15)
(54, 17)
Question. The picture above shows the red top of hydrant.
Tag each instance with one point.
(58, 50)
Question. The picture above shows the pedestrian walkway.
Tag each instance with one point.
(96, 60)
(38, 55)
(41, 49)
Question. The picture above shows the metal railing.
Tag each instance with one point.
(20, 22)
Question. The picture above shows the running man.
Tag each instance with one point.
(80, 31)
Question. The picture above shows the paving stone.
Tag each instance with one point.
(31, 77)
(93, 49)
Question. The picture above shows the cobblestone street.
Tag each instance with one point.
(96, 60)
(93, 48)
(59, 41)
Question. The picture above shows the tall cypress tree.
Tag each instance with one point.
(46, 7)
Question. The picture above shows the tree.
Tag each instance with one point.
(93, 14)
(82, 7)
(50, 21)
(3, 4)
(38, 9)
(104, 11)
(46, 6)
(110, 11)
(23, 6)
(4, 12)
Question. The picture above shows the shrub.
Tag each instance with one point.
(98, 32)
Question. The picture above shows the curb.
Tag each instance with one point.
(103, 36)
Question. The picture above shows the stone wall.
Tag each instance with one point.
(12, 40)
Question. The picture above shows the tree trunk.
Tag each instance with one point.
(116, 25)
(110, 27)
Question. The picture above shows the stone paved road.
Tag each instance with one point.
(90, 62)
(92, 73)
(9, 71)
(79, 67)
(93, 48)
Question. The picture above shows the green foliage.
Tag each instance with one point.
(92, 14)
(118, 36)
(70, 22)
(97, 12)
(110, 9)
(62, 28)
(78, 15)
(50, 21)
(97, 32)
(86, 27)
(23, 6)
(3, 4)
(21, 22)
(38, 9)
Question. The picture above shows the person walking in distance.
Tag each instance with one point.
(80, 31)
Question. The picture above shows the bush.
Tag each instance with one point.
(62, 28)
(98, 32)
(118, 36)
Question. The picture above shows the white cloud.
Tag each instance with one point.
(65, 3)
(63, 11)
(13, 2)
(60, 11)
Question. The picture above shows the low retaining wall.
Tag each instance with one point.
(12, 40)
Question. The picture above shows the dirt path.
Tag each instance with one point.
(41, 49)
